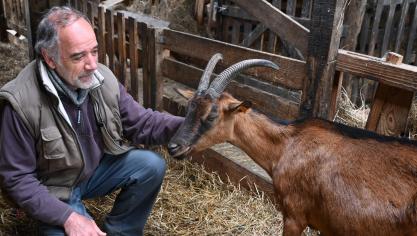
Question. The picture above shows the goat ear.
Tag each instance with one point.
(239, 106)
(186, 93)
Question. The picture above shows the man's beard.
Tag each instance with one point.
(84, 84)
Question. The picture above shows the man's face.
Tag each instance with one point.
(78, 49)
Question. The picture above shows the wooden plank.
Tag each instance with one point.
(90, 13)
(157, 77)
(235, 31)
(204, 48)
(388, 27)
(121, 36)
(402, 76)
(110, 39)
(267, 103)
(133, 56)
(277, 21)
(327, 17)
(375, 27)
(411, 38)
(400, 31)
(364, 35)
(252, 36)
(101, 36)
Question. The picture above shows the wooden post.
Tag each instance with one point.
(389, 111)
(324, 39)
(29, 35)
(3, 24)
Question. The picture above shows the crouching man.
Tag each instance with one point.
(68, 131)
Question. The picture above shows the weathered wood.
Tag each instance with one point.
(150, 21)
(411, 38)
(337, 87)
(388, 26)
(29, 34)
(252, 36)
(101, 36)
(204, 48)
(389, 112)
(267, 103)
(199, 11)
(134, 59)
(306, 8)
(148, 55)
(291, 5)
(400, 31)
(375, 27)
(402, 76)
(273, 18)
(110, 39)
(121, 36)
(235, 31)
(157, 79)
(326, 29)
(3, 24)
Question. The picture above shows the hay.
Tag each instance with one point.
(349, 114)
(191, 202)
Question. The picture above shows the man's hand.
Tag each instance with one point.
(78, 225)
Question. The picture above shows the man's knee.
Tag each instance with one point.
(153, 166)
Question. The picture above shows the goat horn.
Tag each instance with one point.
(205, 78)
(224, 78)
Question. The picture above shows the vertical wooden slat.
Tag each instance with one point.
(364, 35)
(337, 87)
(306, 9)
(29, 34)
(84, 6)
(412, 38)
(146, 55)
(400, 31)
(388, 26)
(133, 56)
(121, 35)
(272, 38)
(110, 39)
(3, 24)
(101, 35)
(235, 31)
(160, 55)
(375, 27)
(90, 13)
(291, 4)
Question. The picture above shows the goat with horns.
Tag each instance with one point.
(333, 178)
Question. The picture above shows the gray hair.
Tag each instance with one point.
(51, 22)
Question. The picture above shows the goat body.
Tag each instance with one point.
(339, 182)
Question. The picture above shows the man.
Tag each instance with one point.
(65, 122)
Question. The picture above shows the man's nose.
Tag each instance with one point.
(91, 62)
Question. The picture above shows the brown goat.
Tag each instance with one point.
(333, 178)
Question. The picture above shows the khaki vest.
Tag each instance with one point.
(60, 161)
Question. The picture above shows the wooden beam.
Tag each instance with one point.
(278, 22)
(291, 74)
(389, 111)
(326, 30)
(29, 33)
(402, 76)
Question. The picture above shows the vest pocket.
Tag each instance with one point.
(52, 143)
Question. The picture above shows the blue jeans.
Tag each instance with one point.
(139, 174)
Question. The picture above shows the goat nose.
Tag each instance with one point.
(172, 146)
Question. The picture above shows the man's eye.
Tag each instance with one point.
(77, 58)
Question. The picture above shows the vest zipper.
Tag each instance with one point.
(78, 115)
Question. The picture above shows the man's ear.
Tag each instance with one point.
(186, 93)
(51, 63)
(239, 106)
